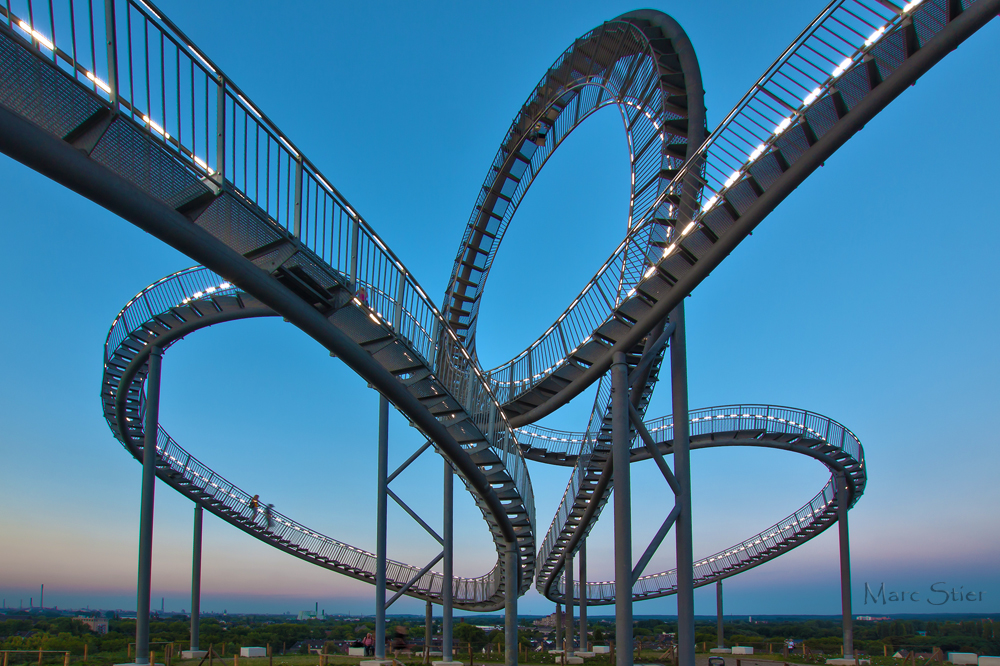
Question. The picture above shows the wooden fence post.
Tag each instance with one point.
(270, 659)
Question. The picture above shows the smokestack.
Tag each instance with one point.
(41, 599)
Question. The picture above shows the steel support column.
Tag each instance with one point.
(428, 629)
(196, 577)
(720, 638)
(150, 429)
(620, 457)
(447, 591)
(583, 596)
(570, 594)
(381, 516)
(682, 473)
(559, 631)
(512, 584)
(843, 500)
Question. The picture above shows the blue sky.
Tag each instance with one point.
(869, 296)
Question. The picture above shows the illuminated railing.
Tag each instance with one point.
(612, 64)
(198, 285)
(820, 511)
(136, 60)
(713, 421)
(833, 45)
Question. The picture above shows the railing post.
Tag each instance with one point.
(397, 315)
(220, 129)
(297, 210)
(112, 44)
(355, 231)
(150, 426)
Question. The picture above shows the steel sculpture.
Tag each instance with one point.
(91, 108)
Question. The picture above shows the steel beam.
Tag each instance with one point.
(447, 585)
(34, 147)
(559, 626)
(682, 473)
(380, 524)
(428, 629)
(151, 422)
(621, 436)
(582, 554)
(947, 40)
(196, 577)
(569, 596)
(651, 549)
(721, 638)
(413, 579)
(512, 584)
(843, 501)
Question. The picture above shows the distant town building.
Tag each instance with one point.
(547, 621)
(98, 625)
(312, 615)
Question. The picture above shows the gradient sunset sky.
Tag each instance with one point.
(870, 296)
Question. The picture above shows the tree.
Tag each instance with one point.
(470, 633)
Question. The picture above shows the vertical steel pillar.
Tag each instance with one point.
(196, 577)
(621, 435)
(150, 429)
(583, 596)
(449, 552)
(559, 631)
(512, 584)
(721, 639)
(682, 471)
(380, 547)
(428, 628)
(845, 565)
(570, 594)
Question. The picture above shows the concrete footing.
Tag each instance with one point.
(376, 662)
(193, 654)
(847, 662)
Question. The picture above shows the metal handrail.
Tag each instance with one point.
(809, 64)
(820, 510)
(716, 420)
(708, 420)
(148, 72)
(199, 284)
(619, 41)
